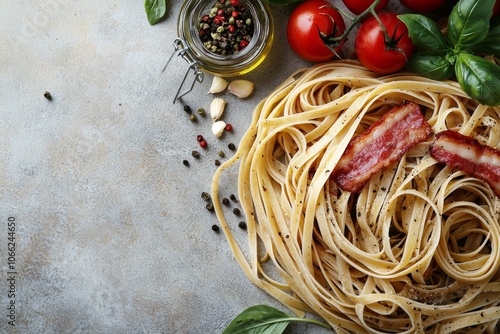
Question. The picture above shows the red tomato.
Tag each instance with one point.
(305, 24)
(422, 6)
(359, 6)
(379, 55)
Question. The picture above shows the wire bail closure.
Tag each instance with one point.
(182, 50)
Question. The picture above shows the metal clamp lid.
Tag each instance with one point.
(182, 50)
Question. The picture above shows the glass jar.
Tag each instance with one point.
(226, 65)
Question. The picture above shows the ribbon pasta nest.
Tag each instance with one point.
(417, 250)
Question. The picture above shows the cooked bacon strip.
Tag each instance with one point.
(383, 143)
(467, 154)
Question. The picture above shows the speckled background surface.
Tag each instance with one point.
(111, 235)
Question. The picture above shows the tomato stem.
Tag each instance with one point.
(387, 38)
(331, 41)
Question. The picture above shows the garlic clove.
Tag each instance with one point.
(217, 108)
(218, 128)
(218, 85)
(241, 88)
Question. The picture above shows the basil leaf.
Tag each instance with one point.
(261, 319)
(155, 10)
(258, 319)
(424, 32)
(433, 66)
(491, 44)
(469, 22)
(479, 78)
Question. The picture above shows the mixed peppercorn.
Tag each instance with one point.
(227, 29)
(210, 207)
(242, 88)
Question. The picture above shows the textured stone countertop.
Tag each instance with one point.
(111, 234)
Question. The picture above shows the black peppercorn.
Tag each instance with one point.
(236, 211)
(185, 162)
(242, 225)
(225, 201)
(215, 228)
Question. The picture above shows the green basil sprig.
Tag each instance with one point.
(469, 33)
(262, 319)
(155, 10)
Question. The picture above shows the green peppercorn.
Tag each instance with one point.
(47, 95)
(193, 118)
(201, 112)
(221, 154)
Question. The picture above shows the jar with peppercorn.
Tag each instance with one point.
(225, 37)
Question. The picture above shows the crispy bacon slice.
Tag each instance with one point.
(383, 143)
(467, 154)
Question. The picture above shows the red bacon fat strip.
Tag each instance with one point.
(468, 155)
(383, 143)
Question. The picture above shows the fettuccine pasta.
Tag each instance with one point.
(417, 250)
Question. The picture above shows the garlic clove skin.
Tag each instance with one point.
(217, 108)
(241, 88)
(218, 128)
(218, 85)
